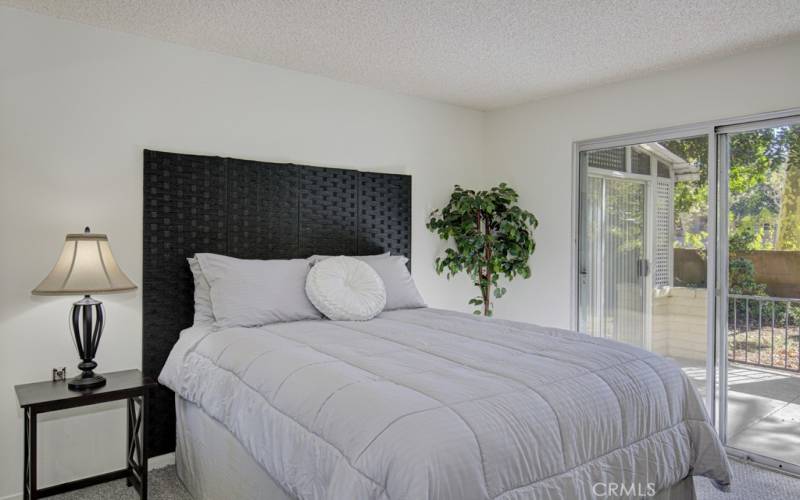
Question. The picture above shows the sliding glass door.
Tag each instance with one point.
(614, 277)
(690, 247)
(760, 302)
(642, 248)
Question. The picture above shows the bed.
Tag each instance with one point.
(414, 404)
(425, 403)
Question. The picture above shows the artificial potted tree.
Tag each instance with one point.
(492, 238)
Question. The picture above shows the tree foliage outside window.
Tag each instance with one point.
(492, 237)
(789, 224)
(764, 203)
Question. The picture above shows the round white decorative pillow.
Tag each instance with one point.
(345, 289)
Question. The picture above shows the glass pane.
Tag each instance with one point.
(680, 306)
(764, 292)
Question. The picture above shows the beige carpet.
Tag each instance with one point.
(749, 483)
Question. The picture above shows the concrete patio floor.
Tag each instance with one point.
(763, 409)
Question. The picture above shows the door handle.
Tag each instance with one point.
(643, 267)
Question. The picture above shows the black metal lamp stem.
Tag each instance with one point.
(87, 321)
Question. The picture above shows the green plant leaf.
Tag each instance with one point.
(490, 238)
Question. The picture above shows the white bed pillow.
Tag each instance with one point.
(345, 289)
(202, 294)
(401, 291)
(256, 292)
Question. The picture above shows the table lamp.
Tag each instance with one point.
(85, 267)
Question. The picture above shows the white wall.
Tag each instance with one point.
(530, 147)
(78, 105)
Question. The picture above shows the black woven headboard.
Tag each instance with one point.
(251, 210)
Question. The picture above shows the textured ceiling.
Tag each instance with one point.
(480, 54)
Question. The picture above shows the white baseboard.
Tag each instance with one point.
(158, 462)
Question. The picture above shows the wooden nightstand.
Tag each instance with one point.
(42, 397)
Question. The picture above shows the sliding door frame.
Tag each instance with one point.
(717, 272)
(719, 343)
(723, 145)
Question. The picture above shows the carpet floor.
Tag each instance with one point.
(749, 483)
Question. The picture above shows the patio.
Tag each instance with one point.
(763, 401)
(763, 408)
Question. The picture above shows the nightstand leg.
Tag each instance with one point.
(29, 483)
(129, 434)
(25, 461)
(143, 417)
(137, 456)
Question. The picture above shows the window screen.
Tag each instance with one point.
(640, 162)
(663, 170)
(607, 159)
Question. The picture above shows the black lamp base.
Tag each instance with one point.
(83, 383)
(87, 321)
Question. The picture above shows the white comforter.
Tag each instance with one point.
(430, 404)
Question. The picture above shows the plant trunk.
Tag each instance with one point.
(487, 254)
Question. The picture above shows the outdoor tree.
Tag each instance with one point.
(755, 180)
(492, 237)
(759, 204)
(789, 221)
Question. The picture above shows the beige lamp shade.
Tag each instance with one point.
(86, 266)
